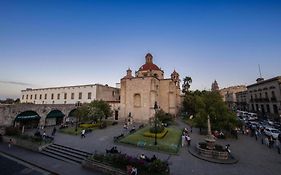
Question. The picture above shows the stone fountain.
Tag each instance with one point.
(209, 138)
(209, 149)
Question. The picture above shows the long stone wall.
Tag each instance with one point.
(8, 113)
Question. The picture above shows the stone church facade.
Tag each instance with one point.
(140, 92)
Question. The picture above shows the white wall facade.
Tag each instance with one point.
(70, 94)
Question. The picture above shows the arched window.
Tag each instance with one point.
(137, 100)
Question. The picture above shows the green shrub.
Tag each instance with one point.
(12, 131)
(121, 161)
(158, 166)
(158, 135)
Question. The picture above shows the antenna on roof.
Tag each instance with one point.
(260, 78)
(260, 70)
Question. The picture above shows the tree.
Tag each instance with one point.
(186, 84)
(201, 104)
(99, 109)
(164, 117)
(81, 113)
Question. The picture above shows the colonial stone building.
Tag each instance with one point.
(242, 101)
(70, 94)
(140, 92)
(264, 97)
(229, 95)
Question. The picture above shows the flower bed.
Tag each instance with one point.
(120, 162)
(158, 135)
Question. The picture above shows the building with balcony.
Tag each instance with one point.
(264, 97)
(241, 100)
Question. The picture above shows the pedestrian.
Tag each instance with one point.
(228, 150)
(125, 126)
(83, 133)
(54, 131)
(185, 131)
(188, 138)
(191, 129)
(266, 141)
(10, 143)
(256, 134)
(271, 142)
(44, 135)
(134, 171)
(183, 140)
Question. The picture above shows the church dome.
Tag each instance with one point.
(149, 64)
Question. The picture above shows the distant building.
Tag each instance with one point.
(215, 86)
(140, 92)
(242, 100)
(265, 97)
(229, 95)
(70, 94)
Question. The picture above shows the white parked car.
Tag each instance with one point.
(272, 132)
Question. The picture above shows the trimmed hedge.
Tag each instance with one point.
(158, 135)
(100, 125)
(89, 125)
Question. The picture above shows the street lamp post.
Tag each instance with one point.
(155, 130)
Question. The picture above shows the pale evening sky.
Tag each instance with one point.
(46, 43)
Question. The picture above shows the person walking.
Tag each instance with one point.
(183, 140)
(256, 134)
(134, 171)
(188, 138)
(44, 135)
(271, 142)
(54, 131)
(10, 143)
(266, 141)
(83, 133)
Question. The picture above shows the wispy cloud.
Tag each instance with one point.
(16, 83)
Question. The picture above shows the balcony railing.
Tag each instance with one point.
(260, 100)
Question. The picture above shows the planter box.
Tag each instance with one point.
(98, 166)
(25, 143)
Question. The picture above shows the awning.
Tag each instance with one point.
(55, 114)
(27, 115)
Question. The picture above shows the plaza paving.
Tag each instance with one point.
(254, 158)
(11, 166)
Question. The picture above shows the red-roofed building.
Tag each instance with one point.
(140, 92)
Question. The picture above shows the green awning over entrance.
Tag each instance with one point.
(55, 114)
(72, 113)
(27, 115)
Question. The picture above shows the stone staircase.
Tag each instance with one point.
(65, 153)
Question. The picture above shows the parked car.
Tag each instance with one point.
(272, 132)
